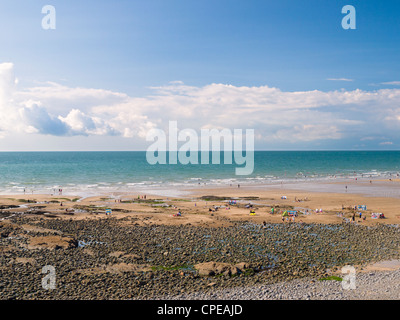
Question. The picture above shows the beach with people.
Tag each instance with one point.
(214, 242)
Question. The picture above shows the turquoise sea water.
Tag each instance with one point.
(126, 171)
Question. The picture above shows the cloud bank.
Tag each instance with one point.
(275, 115)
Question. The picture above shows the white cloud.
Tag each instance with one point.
(340, 79)
(9, 117)
(276, 115)
(309, 132)
(393, 83)
(61, 98)
(38, 120)
(81, 124)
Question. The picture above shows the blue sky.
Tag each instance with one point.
(130, 51)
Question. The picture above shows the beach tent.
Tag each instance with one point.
(284, 197)
(362, 207)
(108, 211)
(285, 214)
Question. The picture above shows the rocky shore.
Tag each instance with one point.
(381, 285)
(112, 258)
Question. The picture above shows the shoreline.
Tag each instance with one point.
(361, 185)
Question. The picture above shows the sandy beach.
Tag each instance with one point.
(383, 196)
(207, 240)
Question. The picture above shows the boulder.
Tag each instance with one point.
(215, 268)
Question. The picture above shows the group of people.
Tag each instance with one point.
(54, 191)
(179, 214)
(378, 215)
(288, 218)
(353, 217)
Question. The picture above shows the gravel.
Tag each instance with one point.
(381, 285)
(287, 260)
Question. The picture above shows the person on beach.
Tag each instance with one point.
(264, 224)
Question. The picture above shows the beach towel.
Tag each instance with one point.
(375, 215)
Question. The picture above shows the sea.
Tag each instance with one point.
(90, 173)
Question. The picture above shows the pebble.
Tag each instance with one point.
(283, 258)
